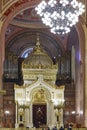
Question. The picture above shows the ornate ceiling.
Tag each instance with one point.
(22, 29)
(21, 34)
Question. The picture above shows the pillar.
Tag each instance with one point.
(73, 63)
(30, 116)
(53, 116)
(27, 117)
(61, 117)
(85, 85)
(49, 113)
(1, 71)
(16, 115)
(85, 114)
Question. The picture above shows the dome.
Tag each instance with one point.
(38, 59)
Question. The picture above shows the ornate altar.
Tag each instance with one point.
(35, 99)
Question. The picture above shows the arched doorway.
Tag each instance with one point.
(39, 115)
(39, 108)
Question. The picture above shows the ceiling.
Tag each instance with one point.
(22, 32)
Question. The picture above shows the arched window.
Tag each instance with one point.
(26, 53)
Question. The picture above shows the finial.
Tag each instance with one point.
(38, 40)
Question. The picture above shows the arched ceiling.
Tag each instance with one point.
(21, 34)
(27, 38)
(30, 17)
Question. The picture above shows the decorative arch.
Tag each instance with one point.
(13, 10)
(46, 39)
(40, 94)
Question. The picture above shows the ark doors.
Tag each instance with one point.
(39, 115)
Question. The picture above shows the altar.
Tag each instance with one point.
(39, 102)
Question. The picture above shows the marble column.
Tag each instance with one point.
(53, 116)
(16, 115)
(49, 112)
(31, 117)
(27, 117)
(61, 118)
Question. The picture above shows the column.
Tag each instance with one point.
(53, 116)
(85, 114)
(30, 116)
(73, 63)
(49, 113)
(61, 118)
(16, 115)
(1, 71)
(57, 113)
(27, 117)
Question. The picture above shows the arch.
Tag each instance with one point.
(46, 39)
(12, 14)
(40, 88)
(21, 6)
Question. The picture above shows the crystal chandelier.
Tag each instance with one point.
(60, 15)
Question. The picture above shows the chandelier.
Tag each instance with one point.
(60, 15)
